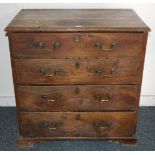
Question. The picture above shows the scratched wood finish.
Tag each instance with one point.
(46, 20)
(78, 124)
(77, 98)
(95, 71)
(74, 45)
(62, 58)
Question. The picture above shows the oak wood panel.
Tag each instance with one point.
(77, 98)
(77, 62)
(65, 71)
(76, 45)
(46, 20)
(83, 124)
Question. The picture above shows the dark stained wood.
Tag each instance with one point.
(128, 142)
(78, 124)
(22, 143)
(80, 70)
(77, 98)
(94, 71)
(145, 36)
(28, 142)
(127, 44)
(47, 20)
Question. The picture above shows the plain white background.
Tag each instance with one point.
(145, 11)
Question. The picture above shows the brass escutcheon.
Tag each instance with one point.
(77, 38)
(77, 91)
(78, 116)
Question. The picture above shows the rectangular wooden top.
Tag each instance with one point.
(55, 20)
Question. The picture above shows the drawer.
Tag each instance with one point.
(77, 98)
(77, 71)
(71, 124)
(61, 45)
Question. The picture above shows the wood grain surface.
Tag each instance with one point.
(77, 124)
(76, 45)
(81, 98)
(45, 20)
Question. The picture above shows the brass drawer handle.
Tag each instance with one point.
(52, 128)
(39, 44)
(50, 125)
(55, 45)
(103, 125)
(52, 100)
(101, 99)
(43, 72)
(49, 75)
(99, 46)
(99, 72)
(54, 125)
(106, 98)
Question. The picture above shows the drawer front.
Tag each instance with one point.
(80, 71)
(77, 98)
(61, 45)
(83, 124)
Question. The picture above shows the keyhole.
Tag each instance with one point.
(78, 117)
(77, 38)
(77, 65)
(77, 91)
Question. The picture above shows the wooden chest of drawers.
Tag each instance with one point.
(77, 73)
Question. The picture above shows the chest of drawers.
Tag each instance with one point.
(77, 74)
